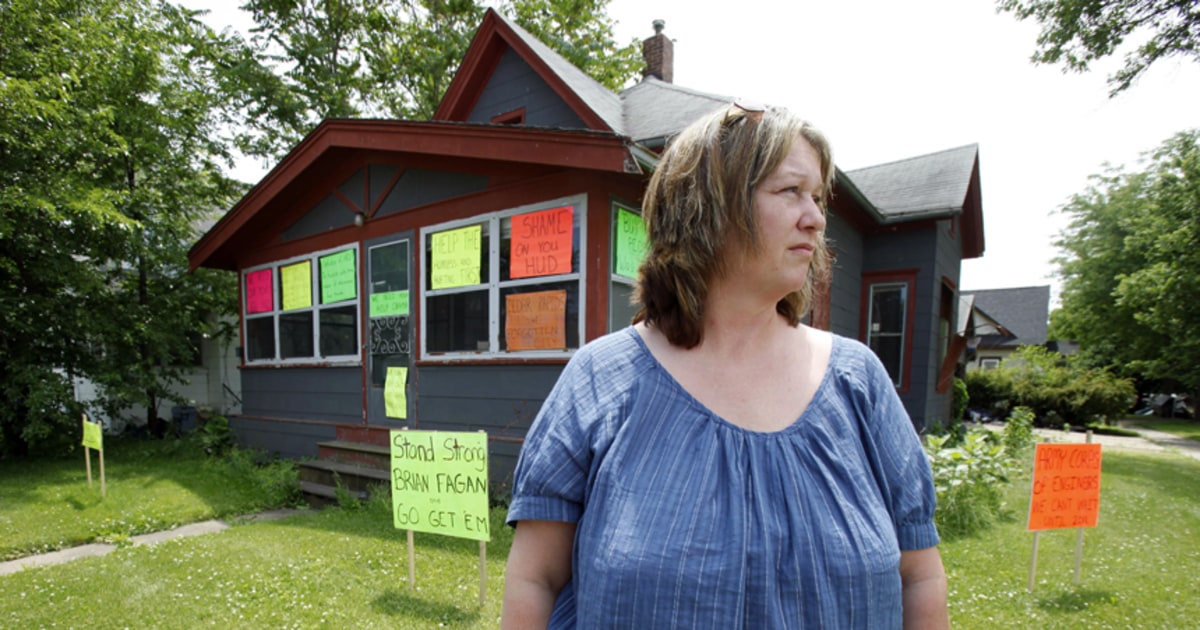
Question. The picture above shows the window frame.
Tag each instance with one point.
(494, 285)
(908, 279)
(314, 260)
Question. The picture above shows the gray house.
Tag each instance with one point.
(439, 274)
(1021, 316)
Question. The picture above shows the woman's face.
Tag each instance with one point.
(790, 223)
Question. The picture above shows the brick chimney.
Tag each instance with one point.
(659, 53)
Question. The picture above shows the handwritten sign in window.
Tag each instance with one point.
(455, 257)
(337, 277)
(296, 285)
(630, 243)
(389, 303)
(1066, 486)
(535, 321)
(395, 398)
(541, 243)
(260, 292)
(440, 483)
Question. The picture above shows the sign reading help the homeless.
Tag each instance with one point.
(440, 483)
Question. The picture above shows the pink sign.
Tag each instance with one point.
(260, 294)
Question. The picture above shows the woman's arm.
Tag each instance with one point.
(923, 580)
(539, 565)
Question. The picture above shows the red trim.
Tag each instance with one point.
(515, 117)
(908, 276)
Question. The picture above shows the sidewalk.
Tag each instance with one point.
(1149, 440)
(88, 551)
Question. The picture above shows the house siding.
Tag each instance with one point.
(325, 394)
(845, 291)
(294, 440)
(946, 268)
(501, 399)
(419, 187)
(911, 249)
(514, 85)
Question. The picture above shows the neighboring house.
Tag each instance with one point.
(1018, 317)
(472, 254)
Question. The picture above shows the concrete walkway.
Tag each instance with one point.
(1149, 440)
(92, 550)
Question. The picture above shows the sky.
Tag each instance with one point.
(887, 80)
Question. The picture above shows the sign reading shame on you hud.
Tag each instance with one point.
(440, 483)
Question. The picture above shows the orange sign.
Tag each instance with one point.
(536, 321)
(541, 243)
(1066, 486)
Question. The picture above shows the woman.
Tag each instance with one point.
(719, 464)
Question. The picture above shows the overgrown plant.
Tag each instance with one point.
(969, 479)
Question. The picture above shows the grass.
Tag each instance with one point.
(1139, 564)
(1189, 429)
(151, 486)
(348, 567)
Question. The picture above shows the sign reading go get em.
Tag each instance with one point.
(1066, 486)
(440, 483)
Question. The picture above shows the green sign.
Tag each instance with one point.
(630, 243)
(93, 438)
(389, 304)
(440, 483)
(337, 277)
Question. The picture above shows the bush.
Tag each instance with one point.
(215, 437)
(969, 480)
(1018, 432)
(1055, 388)
(962, 398)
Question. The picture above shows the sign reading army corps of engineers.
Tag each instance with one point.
(440, 483)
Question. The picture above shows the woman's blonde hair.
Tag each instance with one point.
(699, 205)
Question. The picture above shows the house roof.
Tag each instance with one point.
(1023, 312)
(656, 110)
(930, 185)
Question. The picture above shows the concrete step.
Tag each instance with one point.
(351, 476)
(362, 453)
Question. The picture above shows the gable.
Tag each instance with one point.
(514, 85)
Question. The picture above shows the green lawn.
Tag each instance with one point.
(46, 504)
(348, 568)
(1189, 429)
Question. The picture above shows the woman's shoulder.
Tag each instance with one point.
(853, 361)
(615, 358)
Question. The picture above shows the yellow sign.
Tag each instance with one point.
(296, 285)
(395, 399)
(455, 257)
(440, 483)
(93, 437)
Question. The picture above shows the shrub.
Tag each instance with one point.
(969, 480)
(215, 437)
(1018, 432)
(962, 398)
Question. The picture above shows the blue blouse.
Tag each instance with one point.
(685, 520)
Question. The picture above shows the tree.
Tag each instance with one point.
(1077, 32)
(307, 60)
(109, 137)
(1131, 268)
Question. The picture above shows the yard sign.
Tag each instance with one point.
(1065, 494)
(439, 485)
(93, 438)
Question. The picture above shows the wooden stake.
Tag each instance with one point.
(1079, 539)
(87, 460)
(1033, 561)
(482, 573)
(103, 489)
(412, 562)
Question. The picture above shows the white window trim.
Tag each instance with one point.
(277, 302)
(899, 378)
(493, 284)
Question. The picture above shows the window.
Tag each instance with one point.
(628, 250)
(887, 325)
(504, 283)
(283, 321)
(989, 363)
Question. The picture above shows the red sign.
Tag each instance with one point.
(260, 294)
(541, 243)
(535, 321)
(1066, 486)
